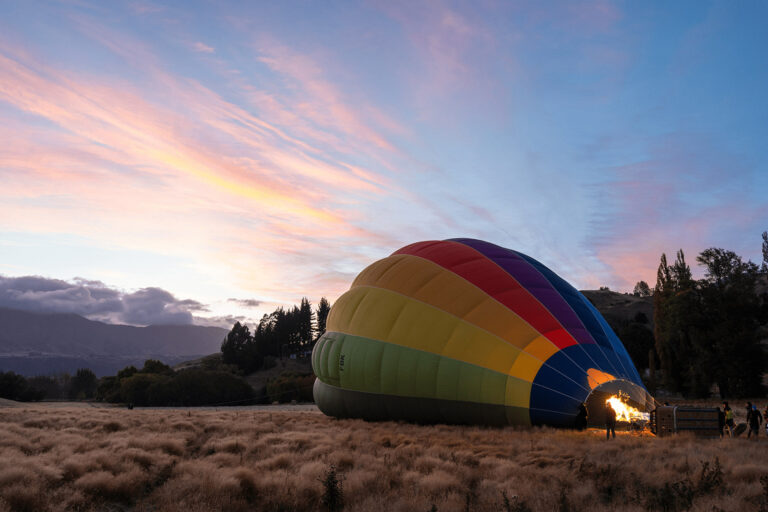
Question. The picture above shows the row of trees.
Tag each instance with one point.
(710, 330)
(157, 384)
(283, 332)
(82, 385)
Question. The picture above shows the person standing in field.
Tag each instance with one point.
(754, 419)
(728, 418)
(581, 417)
(610, 421)
(720, 421)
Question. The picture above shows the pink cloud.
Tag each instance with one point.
(447, 43)
(322, 102)
(335, 124)
(129, 172)
(202, 47)
(120, 119)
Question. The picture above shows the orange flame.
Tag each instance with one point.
(624, 411)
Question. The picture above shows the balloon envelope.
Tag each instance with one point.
(464, 331)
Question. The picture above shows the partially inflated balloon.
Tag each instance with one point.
(464, 331)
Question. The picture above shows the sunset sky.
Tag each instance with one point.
(213, 160)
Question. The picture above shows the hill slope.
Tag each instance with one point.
(35, 343)
(617, 307)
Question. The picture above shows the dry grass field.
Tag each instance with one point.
(174, 460)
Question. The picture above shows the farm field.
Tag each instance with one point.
(62, 458)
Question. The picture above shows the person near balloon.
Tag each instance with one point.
(728, 418)
(581, 417)
(610, 421)
(720, 421)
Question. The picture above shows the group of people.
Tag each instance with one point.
(610, 419)
(754, 420)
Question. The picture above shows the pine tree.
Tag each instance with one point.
(323, 308)
(305, 322)
(661, 295)
(674, 308)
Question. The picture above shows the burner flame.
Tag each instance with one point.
(624, 411)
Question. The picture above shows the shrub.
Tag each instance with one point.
(762, 500)
(199, 387)
(137, 389)
(23, 498)
(45, 387)
(83, 384)
(16, 387)
(671, 497)
(515, 504)
(155, 366)
(711, 479)
(108, 389)
(192, 387)
(12, 385)
(291, 386)
(333, 496)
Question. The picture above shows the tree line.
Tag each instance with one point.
(279, 334)
(157, 384)
(81, 385)
(710, 331)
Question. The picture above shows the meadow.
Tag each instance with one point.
(83, 459)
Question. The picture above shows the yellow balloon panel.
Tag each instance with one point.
(387, 316)
(428, 282)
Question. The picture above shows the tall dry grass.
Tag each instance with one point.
(113, 459)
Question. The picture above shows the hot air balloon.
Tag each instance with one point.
(464, 331)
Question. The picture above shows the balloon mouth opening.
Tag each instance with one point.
(631, 402)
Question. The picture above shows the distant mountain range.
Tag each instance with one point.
(45, 343)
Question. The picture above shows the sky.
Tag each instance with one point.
(201, 161)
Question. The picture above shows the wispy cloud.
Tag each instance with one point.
(202, 47)
(227, 159)
(142, 8)
(321, 102)
(451, 48)
(247, 303)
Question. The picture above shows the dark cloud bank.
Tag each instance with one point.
(97, 301)
(246, 303)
